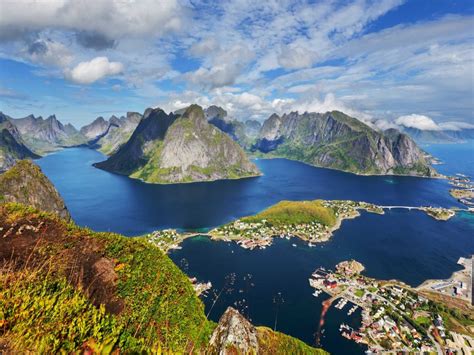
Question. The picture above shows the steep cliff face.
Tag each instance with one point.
(46, 135)
(170, 149)
(119, 132)
(338, 141)
(236, 335)
(25, 183)
(12, 150)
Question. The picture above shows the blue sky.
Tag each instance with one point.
(386, 62)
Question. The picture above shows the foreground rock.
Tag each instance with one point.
(25, 183)
(236, 335)
(336, 140)
(176, 149)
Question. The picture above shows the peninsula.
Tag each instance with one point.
(311, 221)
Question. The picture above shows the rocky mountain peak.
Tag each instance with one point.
(234, 335)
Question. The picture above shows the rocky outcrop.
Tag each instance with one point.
(46, 135)
(25, 183)
(173, 149)
(234, 335)
(335, 140)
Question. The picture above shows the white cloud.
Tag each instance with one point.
(110, 18)
(422, 122)
(96, 69)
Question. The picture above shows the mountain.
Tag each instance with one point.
(175, 149)
(118, 133)
(25, 183)
(439, 136)
(243, 133)
(46, 135)
(11, 150)
(95, 129)
(12, 147)
(336, 140)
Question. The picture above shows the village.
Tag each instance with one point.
(464, 189)
(395, 317)
(251, 235)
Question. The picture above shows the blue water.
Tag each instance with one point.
(409, 246)
(105, 201)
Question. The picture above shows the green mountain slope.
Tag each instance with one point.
(175, 149)
(336, 140)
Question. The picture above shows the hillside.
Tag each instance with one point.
(46, 135)
(175, 149)
(336, 140)
(25, 183)
(295, 212)
(107, 292)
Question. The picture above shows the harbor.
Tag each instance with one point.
(395, 317)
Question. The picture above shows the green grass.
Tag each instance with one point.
(161, 309)
(359, 293)
(44, 313)
(295, 212)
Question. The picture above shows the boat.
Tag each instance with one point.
(294, 245)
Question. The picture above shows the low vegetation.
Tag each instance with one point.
(295, 212)
(106, 290)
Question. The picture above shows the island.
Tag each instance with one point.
(395, 316)
(311, 221)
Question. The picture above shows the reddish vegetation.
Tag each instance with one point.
(48, 244)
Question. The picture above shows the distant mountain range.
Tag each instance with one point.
(108, 135)
(193, 144)
(179, 148)
(46, 135)
(439, 136)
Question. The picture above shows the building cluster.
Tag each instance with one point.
(165, 239)
(394, 317)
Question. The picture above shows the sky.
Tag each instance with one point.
(386, 62)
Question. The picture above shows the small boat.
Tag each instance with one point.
(294, 245)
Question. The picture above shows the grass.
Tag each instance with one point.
(160, 308)
(45, 313)
(295, 212)
(359, 293)
(271, 342)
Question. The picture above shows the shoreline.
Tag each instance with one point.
(261, 234)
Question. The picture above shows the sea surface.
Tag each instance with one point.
(271, 286)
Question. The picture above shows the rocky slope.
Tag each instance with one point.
(236, 335)
(118, 133)
(25, 183)
(174, 149)
(46, 135)
(109, 293)
(336, 140)
(12, 147)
